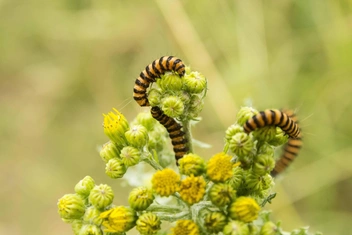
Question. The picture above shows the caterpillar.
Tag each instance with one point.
(290, 151)
(177, 136)
(273, 118)
(151, 73)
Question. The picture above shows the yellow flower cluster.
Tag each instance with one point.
(166, 182)
(192, 189)
(219, 168)
(185, 227)
(245, 209)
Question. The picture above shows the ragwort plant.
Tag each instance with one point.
(224, 195)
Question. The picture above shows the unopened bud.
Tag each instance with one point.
(71, 206)
(130, 156)
(195, 82)
(140, 198)
(115, 168)
(101, 196)
(172, 106)
(109, 151)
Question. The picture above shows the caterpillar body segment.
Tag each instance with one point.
(273, 118)
(290, 150)
(177, 136)
(151, 73)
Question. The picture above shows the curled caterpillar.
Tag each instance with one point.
(174, 129)
(273, 118)
(151, 73)
(290, 151)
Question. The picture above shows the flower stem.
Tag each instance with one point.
(150, 160)
(187, 129)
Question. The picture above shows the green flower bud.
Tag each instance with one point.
(145, 119)
(184, 96)
(266, 149)
(241, 144)
(257, 182)
(170, 82)
(158, 137)
(154, 96)
(90, 229)
(236, 228)
(253, 229)
(76, 226)
(172, 106)
(196, 106)
(137, 136)
(215, 222)
(119, 219)
(148, 224)
(101, 196)
(71, 206)
(221, 194)
(130, 156)
(192, 164)
(109, 151)
(269, 228)
(245, 209)
(92, 216)
(245, 114)
(246, 161)
(195, 82)
(266, 133)
(263, 164)
(115, 168)
(233, 130)
(237, 178)
(280, 138)
(84, 186)
(115, 125)
(140, 198)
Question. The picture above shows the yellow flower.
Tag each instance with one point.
(115, 125)
(185, 227)
(219, 168)
(192, 189)
(165, 182)
(119, 219)
(245, 209)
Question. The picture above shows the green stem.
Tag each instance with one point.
(173, 217)
(165, 208)
(187, 129)
(150, 160)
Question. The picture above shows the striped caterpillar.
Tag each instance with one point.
(174, 129)
(151, 73)
(291, 149)
(273, 118)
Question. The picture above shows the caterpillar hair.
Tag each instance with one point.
(177, 136)
(290, 150)
(152, 72)
(273, 118)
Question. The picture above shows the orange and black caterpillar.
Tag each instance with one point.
(291, 149)
(273, 118)
(152, 72)
(177, 136)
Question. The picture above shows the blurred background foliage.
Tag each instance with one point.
(65, 62)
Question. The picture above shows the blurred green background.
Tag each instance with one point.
(65, 62)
